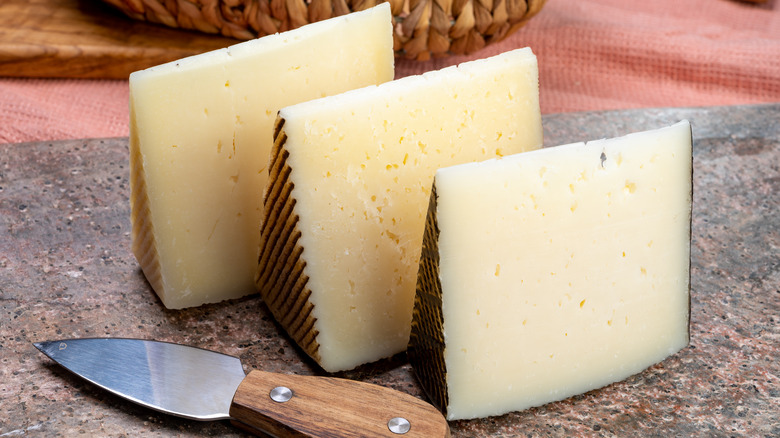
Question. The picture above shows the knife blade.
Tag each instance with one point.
(205, 385)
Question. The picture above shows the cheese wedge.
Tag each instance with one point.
(351, 178)
(551, 273)
(200, 138)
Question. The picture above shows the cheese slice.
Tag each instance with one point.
(551, 273)
(351, 178)
(200, 138)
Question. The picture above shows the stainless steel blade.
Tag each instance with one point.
(175, 379)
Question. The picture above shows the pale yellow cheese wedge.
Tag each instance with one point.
(551, 273)
(201, 135)
(351, 179)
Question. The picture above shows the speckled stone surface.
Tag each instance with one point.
(66, 271)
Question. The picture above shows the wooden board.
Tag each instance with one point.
(87, 39)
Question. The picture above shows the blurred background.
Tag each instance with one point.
(64, 63)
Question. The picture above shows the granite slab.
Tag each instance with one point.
(66, 271)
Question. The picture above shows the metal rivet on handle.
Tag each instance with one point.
(399, 425)
(281, 394)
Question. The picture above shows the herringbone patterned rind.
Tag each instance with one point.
(143, 244)
(426, 343)
(280, 277)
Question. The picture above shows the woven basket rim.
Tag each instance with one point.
(422, 29)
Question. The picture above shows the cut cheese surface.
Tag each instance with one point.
(200, 139)
(352, 178)
(554, 272)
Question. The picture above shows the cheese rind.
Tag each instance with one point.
(346, 210)
(201, 134)
(554, 272)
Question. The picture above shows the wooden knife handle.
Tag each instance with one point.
(331, 407)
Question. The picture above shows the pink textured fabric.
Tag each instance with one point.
(593, 55)
(58, 109)
(617, 54)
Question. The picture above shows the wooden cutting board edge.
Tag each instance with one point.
(88, 39)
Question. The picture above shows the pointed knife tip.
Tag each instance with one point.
(42, 346)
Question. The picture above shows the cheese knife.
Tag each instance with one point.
(204, 385)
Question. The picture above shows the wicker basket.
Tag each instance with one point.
(423, 28)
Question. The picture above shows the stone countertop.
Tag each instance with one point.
(66, 271)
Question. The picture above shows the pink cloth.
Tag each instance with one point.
(593, 55)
